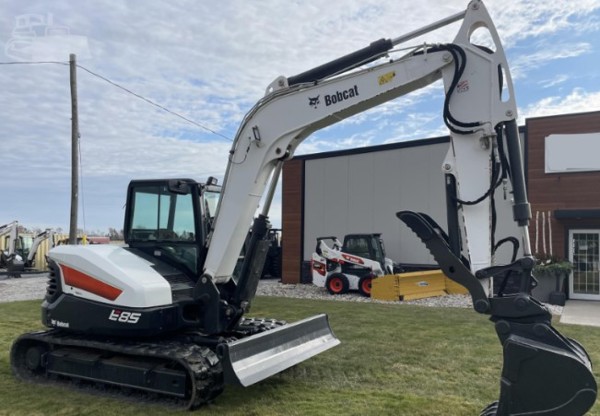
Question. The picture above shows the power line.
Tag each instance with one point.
(141, 97)
(153, 103)
(34, 63)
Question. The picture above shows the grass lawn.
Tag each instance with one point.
(393, 360)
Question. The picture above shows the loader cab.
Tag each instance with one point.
(171, 219)
(368, 246)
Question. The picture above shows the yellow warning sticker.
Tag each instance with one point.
(385, 78)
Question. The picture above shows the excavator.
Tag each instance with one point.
(10, 232)
(19, 257)
(165, 314)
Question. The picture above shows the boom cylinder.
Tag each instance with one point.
(521, 206)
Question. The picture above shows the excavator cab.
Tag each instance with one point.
(170, 217)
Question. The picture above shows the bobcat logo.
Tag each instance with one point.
(313, 101)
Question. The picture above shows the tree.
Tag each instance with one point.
(114, 234)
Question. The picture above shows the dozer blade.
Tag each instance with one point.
(257, 357)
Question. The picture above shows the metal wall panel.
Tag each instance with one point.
(361, 193)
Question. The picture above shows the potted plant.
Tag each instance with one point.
(551, 272)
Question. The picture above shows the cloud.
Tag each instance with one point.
(557, 80)
(210, 62)
(546, 55)
(577, 101)
(539, 18)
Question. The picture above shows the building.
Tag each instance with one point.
(563, 178)
(360, 190)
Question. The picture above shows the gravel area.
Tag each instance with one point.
(28, 287)
(34, 287)
(275, 288)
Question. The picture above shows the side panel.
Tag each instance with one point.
(110, 274)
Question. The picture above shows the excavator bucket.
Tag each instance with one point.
(252, 359)
(544, 373)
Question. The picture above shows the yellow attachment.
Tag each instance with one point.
(414, 285)
(454, 288)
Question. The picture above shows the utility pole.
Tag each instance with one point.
(74, 152)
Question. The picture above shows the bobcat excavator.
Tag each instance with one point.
(164, 314)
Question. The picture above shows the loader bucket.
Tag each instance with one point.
(252, 359)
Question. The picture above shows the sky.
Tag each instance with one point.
(210, 62)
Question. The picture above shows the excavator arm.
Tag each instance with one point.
(544, 373)
(12, 230)
(39, 239)
(295, 107)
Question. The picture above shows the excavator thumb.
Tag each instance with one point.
(252, 359)
(544, 373)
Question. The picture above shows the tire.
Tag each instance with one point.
(276, 265)
(337, 284)
(364, 285)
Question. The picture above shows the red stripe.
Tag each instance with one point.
(86, 282)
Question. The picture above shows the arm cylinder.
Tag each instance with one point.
(345, 63)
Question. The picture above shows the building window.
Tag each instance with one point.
(585, 255)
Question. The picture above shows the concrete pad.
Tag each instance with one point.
(581, 312)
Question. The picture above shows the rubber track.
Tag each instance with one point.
(201, 364)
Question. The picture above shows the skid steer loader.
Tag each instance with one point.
(351, 265)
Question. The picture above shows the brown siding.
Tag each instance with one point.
(549, 192)
(292, 202)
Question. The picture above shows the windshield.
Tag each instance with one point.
(25, 241)
(160, 215)
(211, 202)
(165, 221)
